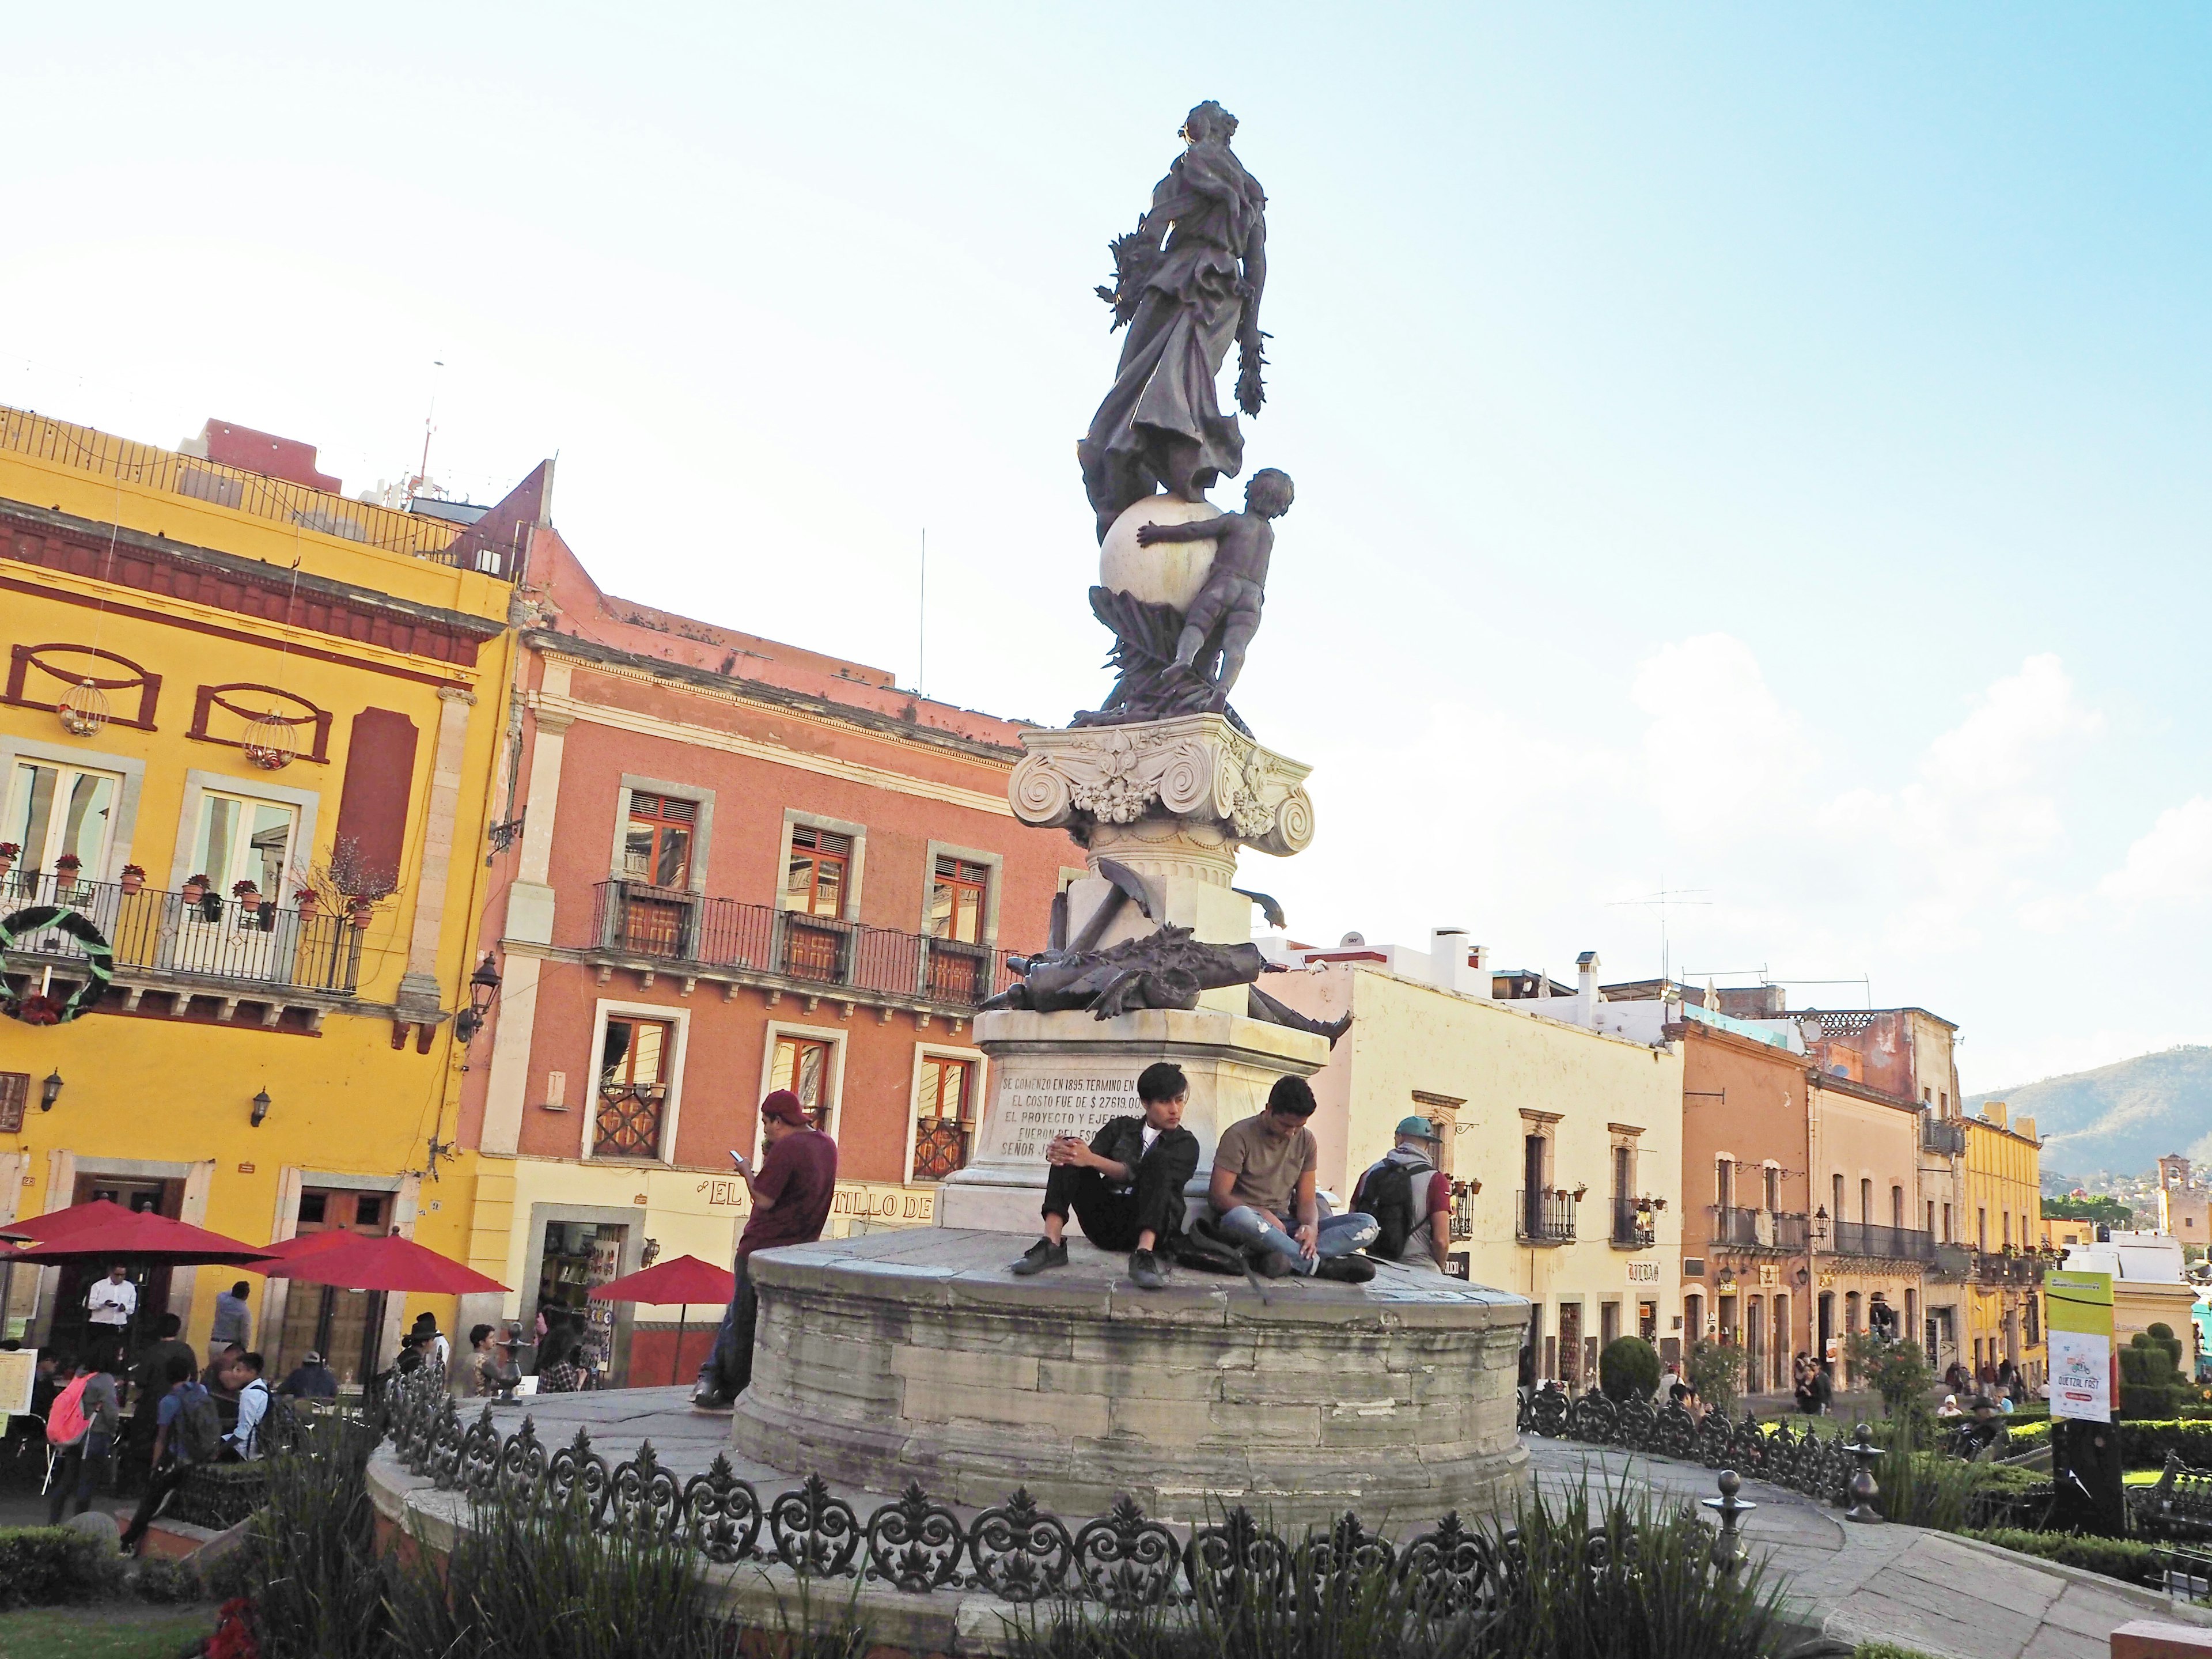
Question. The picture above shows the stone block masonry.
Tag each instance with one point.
(918, 1356)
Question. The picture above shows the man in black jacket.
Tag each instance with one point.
(1126, 1187)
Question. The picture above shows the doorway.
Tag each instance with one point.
(1827, 1321)
(140, 1196)
(343, 1326)
(1570, 1344)
(578, 1255)
(1783, 1374)
(1647, 1322)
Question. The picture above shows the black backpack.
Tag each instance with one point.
(1387, 1196)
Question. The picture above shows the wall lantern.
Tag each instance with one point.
(484, 991)
(50, 1091)
(1820, 1226)
(260, 1108)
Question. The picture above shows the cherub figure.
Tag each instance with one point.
(1229, 601)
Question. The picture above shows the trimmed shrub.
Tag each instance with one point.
(2128, 1559)
(1628, 1370)
(165, 1582)
(1715, 1371)
(43, 1566)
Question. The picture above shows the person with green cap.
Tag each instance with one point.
(1409, 1198)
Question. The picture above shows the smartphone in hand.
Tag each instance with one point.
(738, 1158)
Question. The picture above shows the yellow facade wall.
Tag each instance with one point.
(2003, 1187)
(1412, 1047)
(154, 1096)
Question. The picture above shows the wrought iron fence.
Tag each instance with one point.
(211, 937)
(1818, 1465)
(1541, 1217)
(636, 919)
(1015, 1550)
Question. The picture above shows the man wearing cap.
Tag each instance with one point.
(310, 1379)
(1409, 1198)
(791, 1193)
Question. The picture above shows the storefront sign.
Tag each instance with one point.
(1643, 1273)
(2079, 1324)
(857, 1200)
(1770, 1273)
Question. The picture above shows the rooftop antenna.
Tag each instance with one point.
(921, 621)
(423, 474)
(1661, 901)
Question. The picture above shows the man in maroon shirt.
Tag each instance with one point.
(791, 1193)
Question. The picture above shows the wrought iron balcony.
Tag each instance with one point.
(1993, 1268)
(1541, 1217)
(815, 955)
(1733, 1229)
(1942, 1134)
(1868, 1239)
(212, 944)
(1634, 1228)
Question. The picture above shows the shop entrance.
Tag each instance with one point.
(579, 1254)
(343, 1326)
(1570, 1344)
(66, 1331)
(1647, 1322)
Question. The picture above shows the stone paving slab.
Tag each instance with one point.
(1950, 1597)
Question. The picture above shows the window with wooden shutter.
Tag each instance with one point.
(657, 845)
(814, 882)
(634, 1060)
(14, 1093)
(944, 1112)
(956, 896)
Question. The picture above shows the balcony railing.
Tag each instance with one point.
(1992, 1268)
(815, 953)
(278, 498)
(1544, 1217)
(1868, 1238)
(1942, 1134)
(1754, 1230)
(214, 939)
(1635, 1229)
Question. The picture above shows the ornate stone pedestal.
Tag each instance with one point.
(1068, 1073)
(916, 1356)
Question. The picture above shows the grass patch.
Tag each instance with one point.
(100, 1633)
(1886, 1651)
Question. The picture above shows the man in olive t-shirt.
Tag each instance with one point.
(1263, 1187)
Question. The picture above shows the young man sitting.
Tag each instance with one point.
(1262, 1194)
(1410, 1200)
(1125, 1186)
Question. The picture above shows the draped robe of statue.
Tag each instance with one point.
(1161, 426)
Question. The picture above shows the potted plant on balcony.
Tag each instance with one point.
(9, 851)
(251, 914)
(134, 880)
(307, 900)
(197, 897)
(66, 875)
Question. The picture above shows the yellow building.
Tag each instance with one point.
(2004, 1227)
(247, 733)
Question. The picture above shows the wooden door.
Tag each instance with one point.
(343, 1326)
(66, 1330)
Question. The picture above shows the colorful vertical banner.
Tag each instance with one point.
(2078, 1309)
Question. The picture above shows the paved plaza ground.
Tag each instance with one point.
(1944, 1596)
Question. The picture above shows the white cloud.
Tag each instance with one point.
(2172, 863)
(1721, 753)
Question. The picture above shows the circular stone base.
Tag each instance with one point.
(1168, 572)
(915, 1355)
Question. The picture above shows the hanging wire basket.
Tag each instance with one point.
(82, 709)
(270, 743)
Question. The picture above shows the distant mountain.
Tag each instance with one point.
(2123, 1117)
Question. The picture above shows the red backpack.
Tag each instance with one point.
(66, 1423)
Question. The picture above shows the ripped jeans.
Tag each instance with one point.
(1339, 1235)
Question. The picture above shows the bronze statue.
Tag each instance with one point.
(1167, 968)
(1226, 615)
(1188, 281)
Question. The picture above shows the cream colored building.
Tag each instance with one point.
(1564, 1144)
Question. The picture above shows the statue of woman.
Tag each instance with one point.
(1188, 281)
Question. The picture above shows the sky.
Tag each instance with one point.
(1757, 453)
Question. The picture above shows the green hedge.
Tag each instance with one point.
(41, 1566)
(2127, 1559)
(2143, 1445)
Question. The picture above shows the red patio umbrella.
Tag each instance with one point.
(683, 1281)
(358, 1262)
(103, 1230)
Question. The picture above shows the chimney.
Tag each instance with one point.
(1479, 965)
(2024, 1127)
(1449, 954)
(1995, 1111)
(1586, 991)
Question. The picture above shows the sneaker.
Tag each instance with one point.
(1345, 1269)
(1145, 1270)
(1040, 1256)
(1270, 1265)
